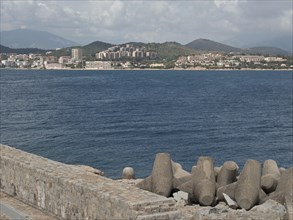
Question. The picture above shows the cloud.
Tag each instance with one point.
(148, 21)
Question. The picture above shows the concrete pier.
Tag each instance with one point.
(69, 192)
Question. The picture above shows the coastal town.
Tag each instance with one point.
(129, 56)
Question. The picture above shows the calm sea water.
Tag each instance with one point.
(113, 119)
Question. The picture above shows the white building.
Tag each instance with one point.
(98, 65)
(64, 60)
(76, 53)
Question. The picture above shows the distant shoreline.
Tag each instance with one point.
(149, 69)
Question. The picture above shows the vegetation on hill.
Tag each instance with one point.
(166, 52)
(268, 51)
(4, 49)
(170, 50)
(89, 50)
(208, 46)
(95, 47)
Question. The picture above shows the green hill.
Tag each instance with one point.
(170, 50)
(268, 50)
(93, 48)
(208, 45)
(167, 50)
(89, 50)
(4, 49)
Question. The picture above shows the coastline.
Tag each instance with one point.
(151, 69)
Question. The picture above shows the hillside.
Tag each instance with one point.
(170, 50)
(283, 42)
(89, 50)
(4, 49)
(167, 50)
(268, 50)
(25, 38)
(208, 46)
(97, 46)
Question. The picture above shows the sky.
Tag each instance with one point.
(151, 21)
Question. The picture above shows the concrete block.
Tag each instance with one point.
(162, 175)
(289, 206)
(145, 184)
(187, 187)
(228, 190)
(178, 171)
(262, 196)
(270, 177)
(284, 187)
(128, 173)
(179, 181)
(248, 185)
(227, 173)
(204, 183)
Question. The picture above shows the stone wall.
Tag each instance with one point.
(70, 192)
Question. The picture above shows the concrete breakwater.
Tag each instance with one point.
(207, 185)
(80, 192)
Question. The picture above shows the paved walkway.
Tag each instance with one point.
(13, 209)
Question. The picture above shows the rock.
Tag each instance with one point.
(248, 185)
(162, 175)
(214, 211)
(230, 202)
(289, 206)
(268, 210)
(227, 173)
(128, 173)
(204, 184)
(182, 197)
(270, 177)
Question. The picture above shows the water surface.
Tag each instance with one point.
(113, 119)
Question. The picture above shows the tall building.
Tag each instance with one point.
(76, 53)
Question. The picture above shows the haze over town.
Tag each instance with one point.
(237, 22)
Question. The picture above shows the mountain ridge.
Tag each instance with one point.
(27, 38)
(213, 46)
(209, 45)
(165, 50)
(4, 49)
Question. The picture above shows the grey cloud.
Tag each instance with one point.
(121, 21)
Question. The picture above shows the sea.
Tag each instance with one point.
(113, 119)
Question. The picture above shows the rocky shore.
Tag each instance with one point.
(207, 192)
